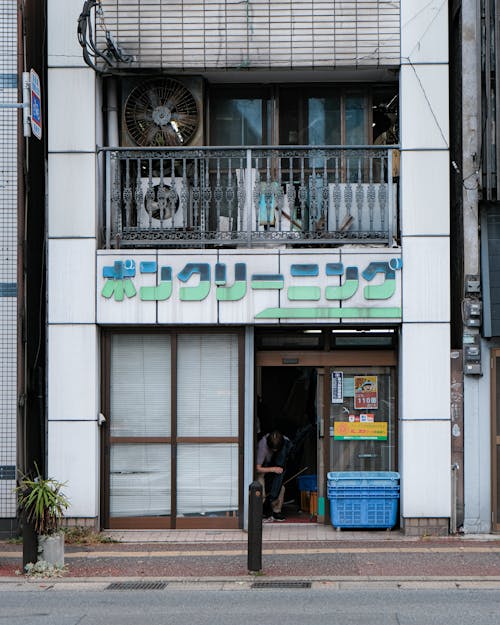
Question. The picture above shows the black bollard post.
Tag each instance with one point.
(255, 527)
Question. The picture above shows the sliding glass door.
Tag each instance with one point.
(172, 440)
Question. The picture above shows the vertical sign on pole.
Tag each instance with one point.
(36, 105)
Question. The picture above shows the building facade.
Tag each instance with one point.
(22, 344)
(8, 279)
(248, 229)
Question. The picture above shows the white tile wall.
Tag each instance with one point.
(425, 371)
(71, 281)
(425, 463)
(424, 107)
(424, 31)
(71, 114)
(425, 195)
(426, 279)
(73, 375)
(72, 195)
(73, 454)
(63, 48)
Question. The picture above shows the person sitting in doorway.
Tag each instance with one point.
(272, 452)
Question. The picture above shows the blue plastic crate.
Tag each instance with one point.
(364, 512)
(361, 492)
(308, 482)
(362, 478)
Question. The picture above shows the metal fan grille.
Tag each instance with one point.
(161, 112)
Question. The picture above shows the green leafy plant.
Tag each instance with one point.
(42, 501)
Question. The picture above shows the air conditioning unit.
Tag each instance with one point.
(162, 111)
(175, 207)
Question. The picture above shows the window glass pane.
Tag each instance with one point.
(385, 123)
(139, 480)
(207, 479)
(237, 121)
(289, 114)
(355, 120)
(367, 401)
(140, 385)
(207, 385)
(324, 121)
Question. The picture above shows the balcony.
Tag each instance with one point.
(208, 197)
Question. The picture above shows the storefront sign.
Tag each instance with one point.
(344, 430)
(244, 287)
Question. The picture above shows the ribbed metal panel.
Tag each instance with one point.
(260, 34)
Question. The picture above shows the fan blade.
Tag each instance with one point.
(149, 135)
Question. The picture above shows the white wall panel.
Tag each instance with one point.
(424, 108)
(71, 114)
(73, 375)
(71, 281)
(63, 48)
(425, 371)
(130, 309)
(424, 31)
(72, 195)
(426, 279)
(243, 311)
(73, 454)
(173, 309)
(425, 195)
(361, 258)
(425, 461)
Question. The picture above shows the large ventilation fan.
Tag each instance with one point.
(161, 112)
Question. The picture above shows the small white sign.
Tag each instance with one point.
(36, 105)
(337, 387)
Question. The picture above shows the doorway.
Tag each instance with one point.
(341, 406)
(287, 400)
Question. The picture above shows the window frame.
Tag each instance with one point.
(172, 521)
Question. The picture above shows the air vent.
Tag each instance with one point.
(279, 584)
(137, 586)
(162, 112)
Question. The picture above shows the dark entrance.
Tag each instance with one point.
(286, 401)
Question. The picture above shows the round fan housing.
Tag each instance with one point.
(161, 112)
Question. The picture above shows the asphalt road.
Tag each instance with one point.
(327, 605)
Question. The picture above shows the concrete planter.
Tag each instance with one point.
(51, 548)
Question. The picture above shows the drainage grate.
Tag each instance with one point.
(137, 586)
(290, 584)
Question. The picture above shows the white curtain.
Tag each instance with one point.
(140, 385)
(207, 479)
(207, 385)
(139, 480)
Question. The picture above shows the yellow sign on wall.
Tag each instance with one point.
(343, 430)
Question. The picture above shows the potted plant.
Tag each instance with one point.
(43, 503)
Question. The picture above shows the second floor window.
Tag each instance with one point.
(303, 115)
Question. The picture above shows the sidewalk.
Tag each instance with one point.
(306, 552)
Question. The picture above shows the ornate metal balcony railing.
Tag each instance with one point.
(227, 197)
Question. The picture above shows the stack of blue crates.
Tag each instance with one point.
(363, 499)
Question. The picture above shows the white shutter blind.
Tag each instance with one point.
(207, 479)
(139, 480)
(207, 385)
(140, 385)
